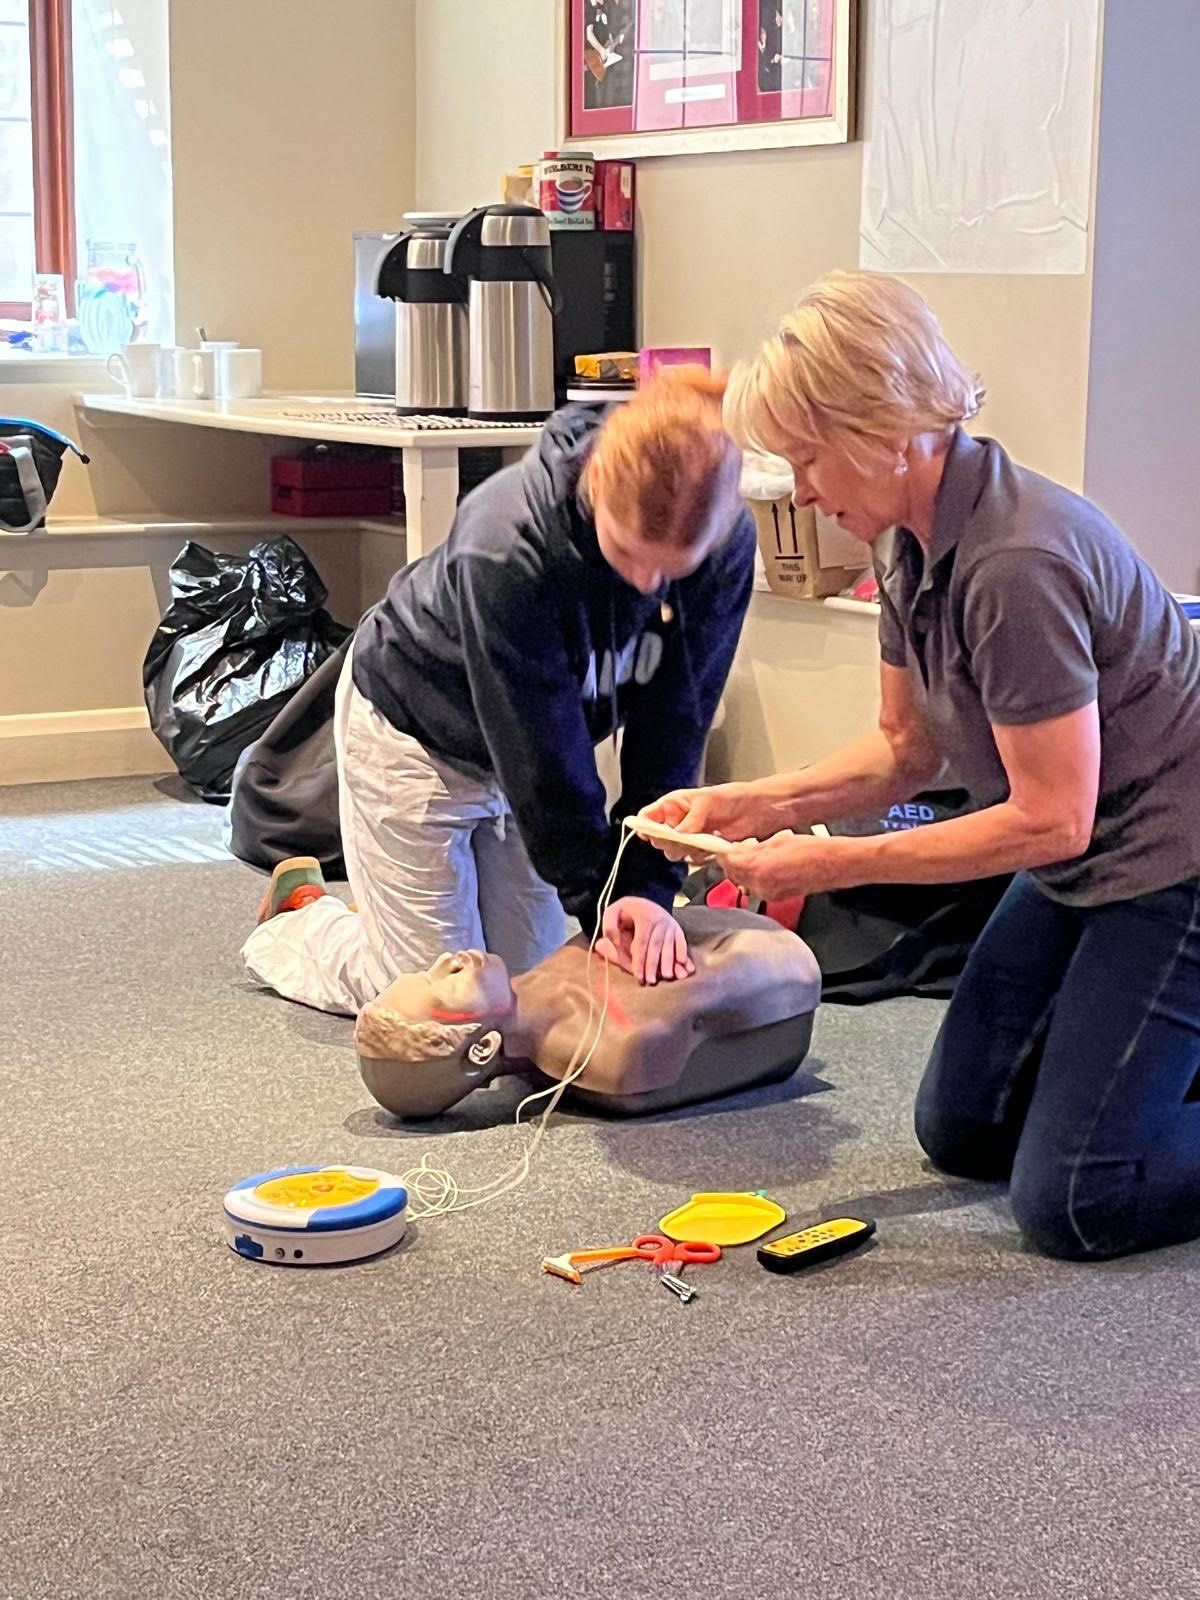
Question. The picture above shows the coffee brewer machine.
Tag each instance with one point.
(504, 253)
(431, 321)
(595, 274)
(594, 288)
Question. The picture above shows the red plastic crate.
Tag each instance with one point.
(342, 502)
(331, 472)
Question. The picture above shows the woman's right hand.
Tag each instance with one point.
(733, 810)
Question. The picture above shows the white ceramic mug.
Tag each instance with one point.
(204, 374)
(206, 368)
(239, 373)
(137, 368)
(185, 373)
(167, 387)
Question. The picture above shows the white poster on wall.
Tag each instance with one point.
(978, 135)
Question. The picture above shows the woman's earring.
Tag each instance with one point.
(901, 464)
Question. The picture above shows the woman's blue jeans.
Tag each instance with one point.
(1069, 1063)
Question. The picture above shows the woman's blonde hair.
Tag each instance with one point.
(662, 458)
(859, 364)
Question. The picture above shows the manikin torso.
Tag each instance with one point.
(430, 1038)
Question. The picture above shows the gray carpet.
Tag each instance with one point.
(944, 1415)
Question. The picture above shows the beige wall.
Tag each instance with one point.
(292, 125)
(728, 241)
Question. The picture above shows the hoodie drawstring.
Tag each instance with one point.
(612, 675)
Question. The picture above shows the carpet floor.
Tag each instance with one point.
(942, 1415)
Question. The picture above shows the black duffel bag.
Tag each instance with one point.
(31, 457)
(883, 940)
(285, 786)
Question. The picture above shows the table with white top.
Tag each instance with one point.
(429, 447)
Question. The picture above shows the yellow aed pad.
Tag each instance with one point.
(821, 1242)
(305, 1191)
(722, 1218)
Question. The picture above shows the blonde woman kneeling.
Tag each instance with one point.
(1064, 683)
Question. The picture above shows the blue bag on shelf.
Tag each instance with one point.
(31, 457)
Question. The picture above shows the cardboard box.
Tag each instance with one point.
(788, 543)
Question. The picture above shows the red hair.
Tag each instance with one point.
(663, 456)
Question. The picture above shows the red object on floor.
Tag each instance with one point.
(726, 896)
(785, 912)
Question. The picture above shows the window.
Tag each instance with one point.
(85, 170)
(36, 231)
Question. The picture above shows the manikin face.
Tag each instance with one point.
(866, 501)
(467, 986)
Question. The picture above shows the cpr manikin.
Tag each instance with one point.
(744, 1017)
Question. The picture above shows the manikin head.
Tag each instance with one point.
(430, 1037)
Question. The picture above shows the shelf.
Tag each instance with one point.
(294, 416)
(112, 527)
(835, 602)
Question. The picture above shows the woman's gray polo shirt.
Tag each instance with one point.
(1029, 605)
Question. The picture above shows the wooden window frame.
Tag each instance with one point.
(52, 106)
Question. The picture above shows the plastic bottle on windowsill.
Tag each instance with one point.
(49, 313)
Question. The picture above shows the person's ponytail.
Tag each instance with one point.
(664, 455)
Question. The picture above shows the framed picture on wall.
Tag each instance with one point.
(660, 77)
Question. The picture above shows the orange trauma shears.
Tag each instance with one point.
(666, 1255)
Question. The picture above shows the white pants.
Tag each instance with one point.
(435, 863)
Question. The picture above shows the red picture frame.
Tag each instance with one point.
(649, 76)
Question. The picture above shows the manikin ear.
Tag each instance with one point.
(483, 1053)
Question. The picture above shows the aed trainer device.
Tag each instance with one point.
(821, 1242)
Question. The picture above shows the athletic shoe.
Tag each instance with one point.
(295, 883)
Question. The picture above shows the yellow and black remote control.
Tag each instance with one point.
(819, 1243)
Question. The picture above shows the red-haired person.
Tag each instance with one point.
(598, 585)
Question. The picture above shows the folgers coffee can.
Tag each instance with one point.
(567, 188)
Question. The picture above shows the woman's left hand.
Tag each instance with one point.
(645, 939)
(786, 864)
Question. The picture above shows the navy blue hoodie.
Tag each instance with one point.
(513, 649)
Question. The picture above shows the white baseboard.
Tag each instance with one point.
(56, 746)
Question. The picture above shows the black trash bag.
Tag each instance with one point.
(285, 786)
(30, 463)
(241, 634)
